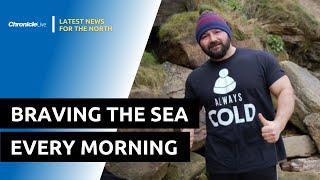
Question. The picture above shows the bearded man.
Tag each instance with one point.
(235, 86)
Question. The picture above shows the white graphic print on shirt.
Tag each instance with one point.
(224, 84)
(225, 116)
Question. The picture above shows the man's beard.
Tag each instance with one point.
(219, 53)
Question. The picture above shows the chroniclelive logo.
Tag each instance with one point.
(14, 24)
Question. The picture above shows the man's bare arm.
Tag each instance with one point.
(284, 93)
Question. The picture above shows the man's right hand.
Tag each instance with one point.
(191, 131)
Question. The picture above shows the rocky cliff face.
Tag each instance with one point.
(289, 29)
(297, 22)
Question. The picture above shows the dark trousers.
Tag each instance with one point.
(269, 173)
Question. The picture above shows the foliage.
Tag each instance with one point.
(275, 43)
(232, 4)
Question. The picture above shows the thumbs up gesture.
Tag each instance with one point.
(270, 131)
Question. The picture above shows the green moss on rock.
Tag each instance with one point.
(179, 26)
(150, 73)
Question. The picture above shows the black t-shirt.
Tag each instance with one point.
(233, 92)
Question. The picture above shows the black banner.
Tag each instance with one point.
(94, 147)
(99, 113)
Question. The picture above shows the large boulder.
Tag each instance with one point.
(305, 175)
(299, 146)
(302, 164)
(138, 170)
(299, 113)
(186, 170)
(306, 86)
(312, 121)
(176, 76)
(177, 41)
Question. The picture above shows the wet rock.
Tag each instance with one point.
(138, 170)
(299, 146)
(176, 76)
(186, 170)
(312, 121)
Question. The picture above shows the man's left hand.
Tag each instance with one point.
(271, 129)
